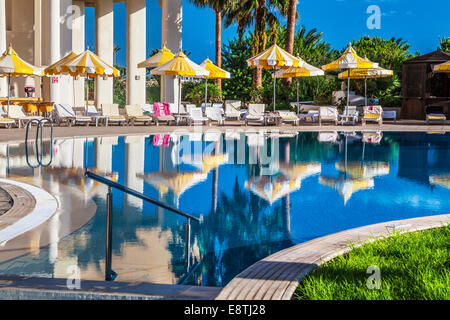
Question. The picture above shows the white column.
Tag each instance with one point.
(3, 82)
(104, 45)
(78, 40)
(172, 21)
(66, 81)
(136, 50)
(54, 44)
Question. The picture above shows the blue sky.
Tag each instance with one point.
(419, 22)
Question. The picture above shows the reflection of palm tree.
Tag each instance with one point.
(237, 235)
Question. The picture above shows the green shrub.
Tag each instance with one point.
(197, 93)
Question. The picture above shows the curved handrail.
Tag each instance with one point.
(39, 155)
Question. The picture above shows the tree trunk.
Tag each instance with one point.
(290, 33)
(260, 38)
(219, 43)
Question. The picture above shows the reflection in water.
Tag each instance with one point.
(257, 193)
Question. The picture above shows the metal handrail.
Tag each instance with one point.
(139, 195)
(39, 155)
(110, 275)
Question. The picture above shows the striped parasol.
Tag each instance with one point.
(164, 55)
(55, 68)
(443, 67)
(299, 72)
(349, 60)
(180, 66)
(274, 58)
(88, 64)
(214, 73)
(365, 74)
(12, 65)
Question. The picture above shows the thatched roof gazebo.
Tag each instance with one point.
(422, 87)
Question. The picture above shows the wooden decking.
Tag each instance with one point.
(276, 277)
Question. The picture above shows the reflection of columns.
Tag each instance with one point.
(104, 45)
(134, 164)
(103, 154)
(3, 82)
(54, 44)
(285, 202)
(136, 50)
(78, 39)
(172, 18)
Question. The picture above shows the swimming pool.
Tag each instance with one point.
(256, 193)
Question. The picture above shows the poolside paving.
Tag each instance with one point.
(276, 277)
(18, 135)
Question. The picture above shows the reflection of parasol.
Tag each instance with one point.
(442, 180)
(272, 189)
(300, 170)
(178, 182)
(207, 162)
(364, 171)
(346, 187)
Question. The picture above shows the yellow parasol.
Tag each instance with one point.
(214, 73)
(443, 67)
(366, 74)
(180, 66)
(274, 58)
(299, 72)
(86, 64)
(12, 65)
(55, 68)
(349, 60)
(164, 55)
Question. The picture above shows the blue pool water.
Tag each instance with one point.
(256, 194)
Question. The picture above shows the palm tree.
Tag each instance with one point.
(261, 13)
(290, 32)
(219, 7)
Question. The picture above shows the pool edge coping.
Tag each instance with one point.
(277, 276)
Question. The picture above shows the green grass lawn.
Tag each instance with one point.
(412, 266)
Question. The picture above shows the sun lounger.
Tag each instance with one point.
(329, 114)
(135, 114)
(65, 113)
(16, 113)
(390, 115)
(196, 116)
(112, 112)
(255, 113)
(215, 114)
(162, 113)
(174, 110)
(327, 136)
(289, 117)
(147, 109)
(232, 111)
(435, 113)
(372, 113)
(189, 107)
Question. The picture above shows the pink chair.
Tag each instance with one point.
(162, 113)
(161, 140)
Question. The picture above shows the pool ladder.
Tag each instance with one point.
(109, 273)
(39, 142)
